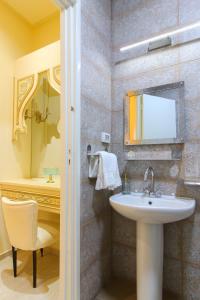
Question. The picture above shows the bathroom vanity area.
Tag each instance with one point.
(153, 143)
(47, 195)
(36, 135)
(36, 117)
(30, 151)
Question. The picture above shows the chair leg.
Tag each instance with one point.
(42, 252)
(14, 256)
(34, 269)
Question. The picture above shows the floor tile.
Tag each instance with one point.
(123, 290)
(20, 288)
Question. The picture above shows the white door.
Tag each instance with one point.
(70, 135)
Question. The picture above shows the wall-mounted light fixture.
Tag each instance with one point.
(164, 42)
(161, 36)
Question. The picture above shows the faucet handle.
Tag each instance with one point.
(146, 191)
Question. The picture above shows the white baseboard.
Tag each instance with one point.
(5, 254)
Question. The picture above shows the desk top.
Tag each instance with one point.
(46, 194)
(35, 185)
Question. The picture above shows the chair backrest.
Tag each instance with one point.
(21, 222)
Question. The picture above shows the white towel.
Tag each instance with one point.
(108, 172)
(93, 166)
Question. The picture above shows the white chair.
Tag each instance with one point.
(21, 220)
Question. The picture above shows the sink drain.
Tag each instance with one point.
(150, 203)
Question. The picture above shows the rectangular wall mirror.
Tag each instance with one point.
(154, 115)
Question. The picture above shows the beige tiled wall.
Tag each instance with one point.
(95, 118)
(132, 21)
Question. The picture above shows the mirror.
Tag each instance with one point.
(42, 118)
(155, 115)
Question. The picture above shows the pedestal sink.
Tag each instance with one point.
(151, 213)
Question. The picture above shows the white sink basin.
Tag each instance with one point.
(152, 210)
(151, 213)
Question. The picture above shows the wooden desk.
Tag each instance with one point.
(46, 194)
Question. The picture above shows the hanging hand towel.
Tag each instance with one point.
(93, 166)
(108, 172)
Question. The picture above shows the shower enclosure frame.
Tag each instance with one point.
(70, 140)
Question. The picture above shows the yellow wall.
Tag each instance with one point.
(15, 41)
(17, 38)
(46, 32)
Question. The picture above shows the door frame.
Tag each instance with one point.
(70, 140)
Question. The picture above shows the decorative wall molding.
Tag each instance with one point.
(56, 74)
(42, 196)
(24, 89)
(54, 78)
(27, 70)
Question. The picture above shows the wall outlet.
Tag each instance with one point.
(105, 137)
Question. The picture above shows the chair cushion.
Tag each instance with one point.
(47, 235)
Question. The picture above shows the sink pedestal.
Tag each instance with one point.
(150, 215)
(149, 261)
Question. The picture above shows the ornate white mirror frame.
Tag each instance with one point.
(27, 70)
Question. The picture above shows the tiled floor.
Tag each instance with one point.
(122, 290)
(20, 288)
(117, 290)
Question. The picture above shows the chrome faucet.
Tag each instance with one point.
(150, 188)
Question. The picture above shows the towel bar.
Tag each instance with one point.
(89, 154)
(92, 154)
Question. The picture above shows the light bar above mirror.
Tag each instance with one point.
(161, 36)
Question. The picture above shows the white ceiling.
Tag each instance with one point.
(33, 11)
